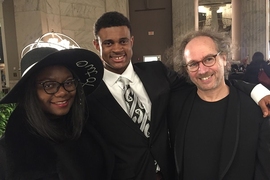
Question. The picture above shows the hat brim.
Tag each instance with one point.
(84, 63)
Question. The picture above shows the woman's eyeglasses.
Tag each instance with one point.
(52, 87)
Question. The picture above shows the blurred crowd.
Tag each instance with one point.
(249, 72)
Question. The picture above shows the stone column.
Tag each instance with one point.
(214, 19)
(236, 29)
(185, 18)
(254, 27)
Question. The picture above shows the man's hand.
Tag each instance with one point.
(264, 103)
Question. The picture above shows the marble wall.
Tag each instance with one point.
(74, 18)
(185, 16)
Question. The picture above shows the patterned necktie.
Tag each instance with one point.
(135, 108)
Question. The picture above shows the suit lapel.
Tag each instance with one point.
(185, 111)
(103, 96)
(230, 133)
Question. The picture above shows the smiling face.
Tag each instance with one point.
(59, 103)
(205, 78)
(115, 47)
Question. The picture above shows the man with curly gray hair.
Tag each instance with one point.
(221, 40)
(219, 130)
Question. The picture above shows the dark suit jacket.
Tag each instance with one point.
(135, 154)
(246, 138)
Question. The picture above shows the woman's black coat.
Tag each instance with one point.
(27, 156)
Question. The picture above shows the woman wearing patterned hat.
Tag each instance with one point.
(44, 137)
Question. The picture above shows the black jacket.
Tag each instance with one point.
(135, 154)
(25, 155)
(245, 152)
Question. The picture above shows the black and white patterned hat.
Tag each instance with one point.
(84, 63)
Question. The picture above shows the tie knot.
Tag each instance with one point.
(124, 80)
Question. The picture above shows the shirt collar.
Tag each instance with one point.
(111, 78)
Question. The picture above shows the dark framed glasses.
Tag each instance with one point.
(52, 87)
(208, 61)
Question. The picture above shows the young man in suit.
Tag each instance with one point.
(219, 130)
(141, 144)
(139, 154)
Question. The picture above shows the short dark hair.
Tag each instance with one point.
(111, 19)
(257, 57)
(73, 123)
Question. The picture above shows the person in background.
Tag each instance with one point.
(45, 136)
(234, 68)
(252, 71)
(235, 73)
(142, 150)
(219, 132)
(243, 64)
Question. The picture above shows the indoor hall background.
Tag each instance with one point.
(151, 22)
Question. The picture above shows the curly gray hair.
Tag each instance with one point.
(221, 40)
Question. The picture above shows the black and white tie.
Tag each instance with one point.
(135, 108)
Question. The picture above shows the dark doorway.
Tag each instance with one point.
(151, 22)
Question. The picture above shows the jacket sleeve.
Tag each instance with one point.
(177, 81)
(256, 91)
(243, 86)
(262, 171)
